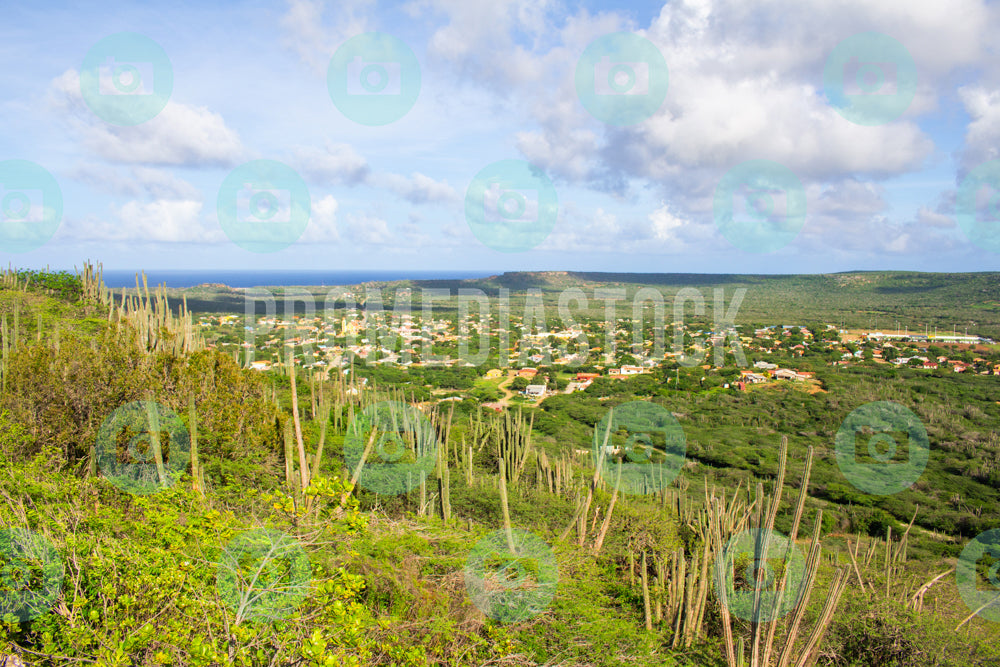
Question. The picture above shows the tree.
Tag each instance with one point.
(519, 384)
(627, 360)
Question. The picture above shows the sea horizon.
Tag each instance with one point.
(238, 278)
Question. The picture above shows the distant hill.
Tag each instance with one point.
(855, 299)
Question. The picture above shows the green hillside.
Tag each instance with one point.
(162, 505)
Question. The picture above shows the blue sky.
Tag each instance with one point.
(746, 82)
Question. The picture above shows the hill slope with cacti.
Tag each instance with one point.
(161, 505)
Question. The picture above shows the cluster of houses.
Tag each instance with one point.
(943, 362)
(366, 335)
(579, 383)
(766, 371)
(414, 337)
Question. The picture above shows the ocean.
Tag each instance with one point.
(244, 278)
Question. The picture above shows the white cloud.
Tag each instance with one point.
(369, 229)
(323, 222)
(561, 149)
(982, 136)
(665, 224)
(418, 188)
(849, 219)
(929, 218)
(478, 38)
(315, 41)
(603, 231)
(848, 197)
(340, 163)
(336, 163)
(745, 83)
(136, 182)
(162, 220)
(180, 135)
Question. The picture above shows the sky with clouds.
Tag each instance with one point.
(744, 81)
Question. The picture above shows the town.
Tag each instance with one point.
(542, 358)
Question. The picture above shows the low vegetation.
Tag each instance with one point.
(308, 518)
